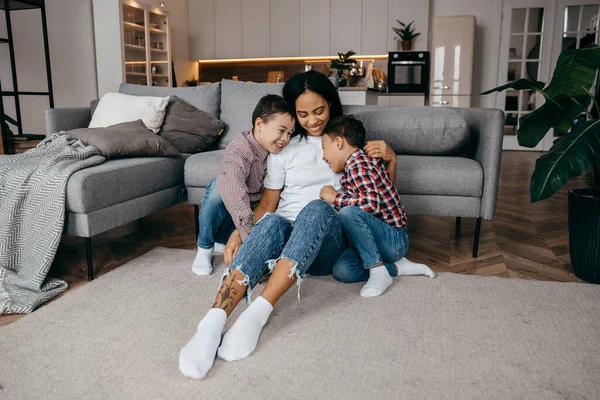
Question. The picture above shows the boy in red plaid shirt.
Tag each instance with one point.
(371, 213)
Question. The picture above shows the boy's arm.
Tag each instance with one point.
(231, 183)
(368, 197)
(268, 203)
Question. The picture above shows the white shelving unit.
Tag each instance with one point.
(146, 45)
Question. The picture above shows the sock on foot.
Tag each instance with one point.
(406, 267)
(218, 248)
(241, 339)
(198, 355)
(379, 280)
(203, 262)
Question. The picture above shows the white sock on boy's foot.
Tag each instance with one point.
(203, 262)
(197, 356)
(241, 339)
(218, 248)
(406, 267)
(379, 281)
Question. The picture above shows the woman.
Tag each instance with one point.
(303, 237)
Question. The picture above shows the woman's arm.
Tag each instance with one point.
(380, 149)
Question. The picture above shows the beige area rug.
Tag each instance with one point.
(456, 336)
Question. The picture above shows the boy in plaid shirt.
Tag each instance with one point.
(226, 214)
(371, 213)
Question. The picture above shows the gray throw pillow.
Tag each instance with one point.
(93, 105)
(189, 129)
(127, 139)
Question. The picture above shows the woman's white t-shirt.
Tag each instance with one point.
(299, 169)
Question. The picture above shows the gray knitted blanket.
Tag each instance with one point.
(32, 211)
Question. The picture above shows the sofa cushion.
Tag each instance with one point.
(128, 139)
(190, 130)
(238, 100)
(201, 168)
(206, 98)
(423, 175)
(444, 176)
(115, 108)
(116, 181)
(417, 131)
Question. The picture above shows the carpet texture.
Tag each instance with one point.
(452, 337)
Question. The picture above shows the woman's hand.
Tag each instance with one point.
(232, 247)
(380, 149)
(328, 194)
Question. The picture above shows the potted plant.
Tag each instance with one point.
(406, 35)
(342, 64)
(192, 82)
(575, 151)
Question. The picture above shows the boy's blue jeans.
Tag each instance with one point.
(313, 243)
(372, 242)
(215, 221)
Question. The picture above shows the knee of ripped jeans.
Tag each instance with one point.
(294, 272)
(263, 217)
(242, 282)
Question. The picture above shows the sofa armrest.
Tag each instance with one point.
(65, 119)
(487, 132)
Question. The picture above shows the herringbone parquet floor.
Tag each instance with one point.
(523, 240)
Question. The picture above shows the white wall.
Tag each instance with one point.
(71, 44)
(487, 41)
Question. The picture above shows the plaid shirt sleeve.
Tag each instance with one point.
(234, 191)
(363, 191)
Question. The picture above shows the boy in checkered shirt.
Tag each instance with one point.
(226, 214)
(371, 213)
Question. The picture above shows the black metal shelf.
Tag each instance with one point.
(10, 6)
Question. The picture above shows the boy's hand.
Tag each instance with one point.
(328, 194)
(232, 247)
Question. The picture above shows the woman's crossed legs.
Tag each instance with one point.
(310, 245)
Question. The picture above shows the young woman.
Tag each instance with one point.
(295, 235)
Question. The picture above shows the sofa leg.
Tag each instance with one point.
(88, 253)
(458, 222)
(476, 240)
(196, 222)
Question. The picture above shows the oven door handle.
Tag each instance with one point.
(408, 63)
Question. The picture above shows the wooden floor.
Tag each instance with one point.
(523, 240)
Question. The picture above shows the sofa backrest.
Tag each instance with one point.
(206, 98)
(416, 131)
(238, 100)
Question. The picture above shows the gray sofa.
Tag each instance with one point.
(460, 184)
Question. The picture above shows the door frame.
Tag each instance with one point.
(510, 142)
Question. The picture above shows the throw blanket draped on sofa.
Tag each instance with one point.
(32, 211)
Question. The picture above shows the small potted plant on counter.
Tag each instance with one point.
(406, 34)
(575, 151)
(192, 82)
(342, 64)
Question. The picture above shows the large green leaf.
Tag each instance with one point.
(575, 71)
(521, 84)
(570, 156)
(554, 113)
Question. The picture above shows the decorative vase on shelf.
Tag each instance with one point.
(406, 45)
(342, 81)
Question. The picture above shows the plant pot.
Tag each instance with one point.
(405, 45)
(584, 233)
(342, 81)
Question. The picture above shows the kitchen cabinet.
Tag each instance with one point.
(256, 34)
(285, 28)
(345, 26)
(400, 100)
(228, 29)
(201, 22)
(314, 27)
(357, 96)
(375, 29)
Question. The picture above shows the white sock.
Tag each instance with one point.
(379, 280)
(219, 248)
(203, 262)
(241, 339)
(406, 267)
(197, 356)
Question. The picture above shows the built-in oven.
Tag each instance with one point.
(408, 72)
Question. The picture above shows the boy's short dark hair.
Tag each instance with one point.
(270, 105)
(349, 128)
